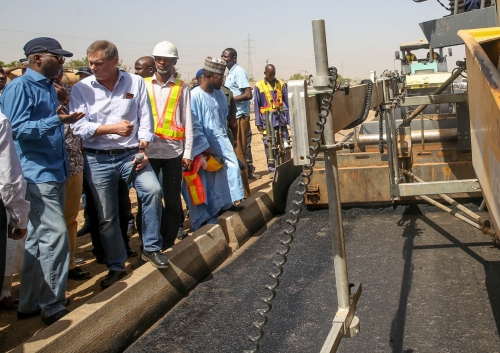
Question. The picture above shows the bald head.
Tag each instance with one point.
(270, 73)
(145, 66)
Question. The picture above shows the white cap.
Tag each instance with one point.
(166, 50)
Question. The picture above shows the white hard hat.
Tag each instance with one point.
(165, 49)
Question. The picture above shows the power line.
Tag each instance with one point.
(73, 37)
(249, 48)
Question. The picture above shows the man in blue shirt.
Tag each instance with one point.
(30, 103)
(470, 5)
(237, 82)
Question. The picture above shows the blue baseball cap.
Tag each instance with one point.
(42, 44)
(199, 73)
(84, 70)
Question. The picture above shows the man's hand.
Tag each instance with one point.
(68, 118)
(187, 164)
(62, 94)
(124, 128)
(16, 233)
(144, 162)
(260, 128)
(206, 153)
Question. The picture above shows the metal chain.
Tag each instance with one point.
(294, 213)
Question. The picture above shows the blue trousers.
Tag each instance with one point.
(103, 172)
(46, 256)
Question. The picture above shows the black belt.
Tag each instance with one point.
(111, 152)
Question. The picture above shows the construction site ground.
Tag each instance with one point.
(13, 332)
(431, 283)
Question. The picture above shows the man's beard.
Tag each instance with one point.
(162, 72)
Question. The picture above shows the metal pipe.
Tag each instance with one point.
(456, 7)
(483, 2)
(320, 49)
(430, 136)
(481, 220)
(437, 91)
(337, 229)
(271, 143)
(450, 211)
(394, 138)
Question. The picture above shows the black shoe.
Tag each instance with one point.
(132, 253)
(156, 258)
(101, 259)
(49, 320)
(112, 277)
(78, 274)
(23, 316)
(251, 172)
(84, 230)
(181, 234)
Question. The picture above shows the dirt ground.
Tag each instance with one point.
(14, 332)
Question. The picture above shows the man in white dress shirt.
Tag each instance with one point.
(118, 125)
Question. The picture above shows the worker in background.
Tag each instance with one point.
(237, 82)
(73, 182)
(409, 57)
(470, 5)
(145, 67)
(436, 56)
(83, 73)
(270, 96)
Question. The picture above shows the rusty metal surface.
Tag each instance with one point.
(484, 107)
(364, 177)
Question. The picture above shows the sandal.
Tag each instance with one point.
(8, 303)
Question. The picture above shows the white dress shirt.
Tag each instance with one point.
(12, 183)
(128, 101)
(166, 148)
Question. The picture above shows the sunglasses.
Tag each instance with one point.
(58, 57)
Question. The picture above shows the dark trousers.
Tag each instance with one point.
(124, 214)
(3, 241)
(172, 215)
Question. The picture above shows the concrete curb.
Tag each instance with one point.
(239, 226)
(113, 319)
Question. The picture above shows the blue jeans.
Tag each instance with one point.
(103, 171)
(46, 257)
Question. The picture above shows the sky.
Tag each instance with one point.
(362, 35)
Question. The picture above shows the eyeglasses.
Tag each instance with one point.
(58, 57)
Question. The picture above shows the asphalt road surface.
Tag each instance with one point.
(431, 283)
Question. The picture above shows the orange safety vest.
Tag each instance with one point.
(272, 104)
(194, 184)
(165, 125)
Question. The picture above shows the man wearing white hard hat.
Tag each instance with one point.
(172, 151)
